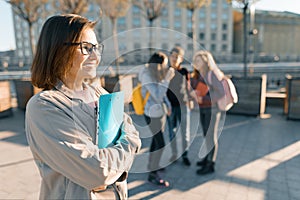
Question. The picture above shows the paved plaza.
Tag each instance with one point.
(258, 159)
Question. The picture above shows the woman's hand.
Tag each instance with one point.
(200, 100)
(170, 74)
(169, 112)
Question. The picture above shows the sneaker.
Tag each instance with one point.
(205, 170)
(186, 161)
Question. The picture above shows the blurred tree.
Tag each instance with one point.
(151, 9)
(192, 6)
(115, 9)
(71, 6)
(30, 11)
(244, 5)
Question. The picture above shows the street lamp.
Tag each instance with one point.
(252, 33)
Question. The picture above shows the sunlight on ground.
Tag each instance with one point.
(6, 134)
(258, 169)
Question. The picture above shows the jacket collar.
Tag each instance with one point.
(60, 86)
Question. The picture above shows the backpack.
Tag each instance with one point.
(138, 101)
(230, 97)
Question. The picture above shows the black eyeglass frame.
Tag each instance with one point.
(98, 50)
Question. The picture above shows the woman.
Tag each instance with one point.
(210, 90)
(61, 120)
(155, 79)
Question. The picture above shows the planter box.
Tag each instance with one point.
(252, 95)
(5, 99)
(293, 97)
(25, 90)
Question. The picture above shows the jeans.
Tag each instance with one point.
(179, 120)
(211, 120)
(156, 126)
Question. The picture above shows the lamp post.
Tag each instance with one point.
(245, 30)
(252, 32)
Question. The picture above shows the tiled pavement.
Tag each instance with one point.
(258, 159)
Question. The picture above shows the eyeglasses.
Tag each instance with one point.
(87, 48)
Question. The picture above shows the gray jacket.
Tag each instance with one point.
(158, 102)
(61, 132)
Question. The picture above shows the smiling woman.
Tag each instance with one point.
(61, 121)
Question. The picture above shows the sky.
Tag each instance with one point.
(7, 39)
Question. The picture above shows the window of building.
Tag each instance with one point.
(27, 52)
(213, 15)
(164, 12)
(202, 45)
(121, 21)
(177, 25)
(122, 47)
(136, 22)
(224, 47)
(224, 36)
(177, 12)
(48, 7)
(213, 4)
(20, 53)
(224, 16)
(213, 26)
(202, 14)
(135, 10)
(189, 25)
(201, 36)
(164, 23)
(202, 25)
(190, 46)
(213, 47)
(224, 27)
(225, 4)
(189, 14)
(213, 36)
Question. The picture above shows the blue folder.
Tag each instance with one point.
(110, 118)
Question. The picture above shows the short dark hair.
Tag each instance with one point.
(177, 49)
(53, 59)
(156, 60)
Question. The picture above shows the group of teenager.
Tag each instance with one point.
(61, 120)
(172, 88)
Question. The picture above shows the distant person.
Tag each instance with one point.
(178, 95)
(209, 90)
(61, 121)
(155, 79)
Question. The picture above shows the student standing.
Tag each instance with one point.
(210, 115)
(155, 78)
(178, 95)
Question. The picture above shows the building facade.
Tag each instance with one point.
(276, 40)
(214, 31)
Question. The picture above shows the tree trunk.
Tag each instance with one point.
(31, 37)
(116, 44)
(193, 31)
